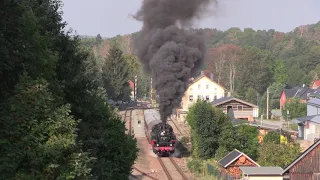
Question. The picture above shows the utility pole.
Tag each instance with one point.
(151, 89)
(135, 88)
(267, 103)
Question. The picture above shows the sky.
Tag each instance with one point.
(111, 17)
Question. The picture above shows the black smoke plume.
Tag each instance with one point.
(171, 54)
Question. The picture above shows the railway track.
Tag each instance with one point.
(171, 169)
(130, 119)
(180, 132)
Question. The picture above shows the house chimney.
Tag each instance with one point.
(211, 76)
(202, 73)
(229, 94)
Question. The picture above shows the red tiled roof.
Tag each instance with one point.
(317, 82)
(131, 84)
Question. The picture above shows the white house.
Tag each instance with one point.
(309, 126)
(200, 88)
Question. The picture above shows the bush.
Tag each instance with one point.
(195, 166)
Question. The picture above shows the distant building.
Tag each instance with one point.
(315, 84)
(306, 166)
(201, 87)
(131, 84)
(309, 126)
(236, 108)
(231, 163)
(304, 93)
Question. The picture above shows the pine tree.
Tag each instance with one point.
(115, 75)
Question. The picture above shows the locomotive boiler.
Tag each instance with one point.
(160, 136)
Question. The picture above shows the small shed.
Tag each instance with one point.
(237, 108)
(259, 173)
(231, 163)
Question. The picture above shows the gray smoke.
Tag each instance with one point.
(171, 54)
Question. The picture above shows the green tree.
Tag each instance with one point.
(251, 95)
(271, 154)
(272, 137)
(38, 136)
(101, 132)
(295, 107)
(133, 66)
(206, 124)
(254, 70)
(34, 42)
(280, 73)
(26, 40)
(242, 137)
(115, 75)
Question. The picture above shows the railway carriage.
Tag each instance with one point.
(161, 137)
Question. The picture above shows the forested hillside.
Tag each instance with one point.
(247, 62)
(55, 122)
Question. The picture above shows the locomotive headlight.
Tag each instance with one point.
(157, 144)
(170, 144)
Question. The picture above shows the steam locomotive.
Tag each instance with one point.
(160, 136)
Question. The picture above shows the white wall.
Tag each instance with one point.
(312, 110)
(255, 112)
(265, 178)
(213, 90)
(312, 132)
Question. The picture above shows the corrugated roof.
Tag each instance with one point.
(250, 170)
(301, 92)
(305, 118)
(232, 156)
(314, 102)
(230, 98)
(221, 100)
(314, 118)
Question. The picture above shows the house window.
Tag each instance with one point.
(199, 97)
(215, 97)
(207, 86)
(240, 108)
(215, 89)
(207, 97)
(191, 98)
(198, 86)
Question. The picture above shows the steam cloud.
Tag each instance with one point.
(171, 54)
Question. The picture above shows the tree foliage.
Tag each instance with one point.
(242, 137)
(206, 124)
(116, 75)
(295, 107)
(38, 136)
(55, 121)
(274, 154)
